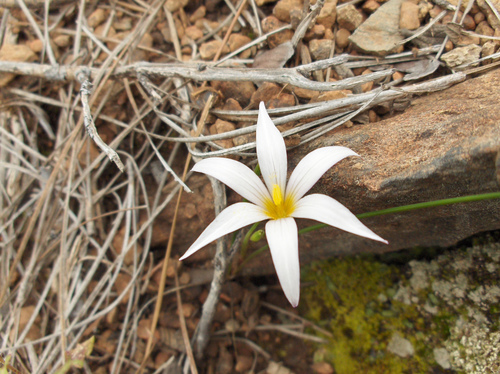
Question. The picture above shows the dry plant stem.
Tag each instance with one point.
(182, 320)
(202, 334)
(91, 129)
(202, 73)
(161, 288)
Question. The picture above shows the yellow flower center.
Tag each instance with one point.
(279, 207)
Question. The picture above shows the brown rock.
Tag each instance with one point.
(320, 48)
(408, 18)
(194, 32)
(175, 5)
(461, 55)
(488, 49)
(329, 34)
(490, 15)
(272, 23)
(240, 91)
(444, 145)
(232, 104)
(397, 75)
(479, 17)
(11, 52)
(322, 368)
(265, 92)
(328, 14)
(36, 45)
(97, 17)
(316, 32)
(370, 6)
(237, 41)
(368, 85)
(62, 40)
(349, 17)
(283, 100)
(483, 28)
(220, 127)
(283, 8)
(423, 9)
(123, 24)
(379, 34)
(208, 50)
(435, 11)
(199, 13)
(469, 23)
(342, 38)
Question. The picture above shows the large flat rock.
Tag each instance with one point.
(444, 145)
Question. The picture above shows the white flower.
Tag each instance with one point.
(277, 201)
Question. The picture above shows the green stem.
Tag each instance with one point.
(246, 239)
(398, 209)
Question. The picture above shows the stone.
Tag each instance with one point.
(199, 13)
(208, 50)
(469, 23)
(442, 357)
(14, 52)
(193, 32)
(220, 127)
(265, 92)
(240, 91)
(175, 5)
(237, 41)
(478, 17)
(490, 15)
(462, 55)
(328, 14)
(316, 32)
(370, 6)
(284, 7)
(97, 17)
(379, 34)
(446, 144)
(320, 48)
(408, 18)
(483, 28)
(349, 17)
(342, 38)
(423, 9)
(400, 346)
(488, 49)
(272, 23)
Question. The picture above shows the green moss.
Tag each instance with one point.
(349, 297)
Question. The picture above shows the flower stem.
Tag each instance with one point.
(398, 209)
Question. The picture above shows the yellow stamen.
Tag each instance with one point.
(279, 207)
(277, 195)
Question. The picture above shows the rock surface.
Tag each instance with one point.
(379, 34)
(445, 145)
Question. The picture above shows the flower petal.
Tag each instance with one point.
(236, 176)
(232, 218)
(327, 210)
(282, 237)
(271, 151)
(312, 167)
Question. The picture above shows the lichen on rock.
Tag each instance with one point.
(446, 310)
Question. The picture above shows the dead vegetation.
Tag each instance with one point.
(86, 245)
